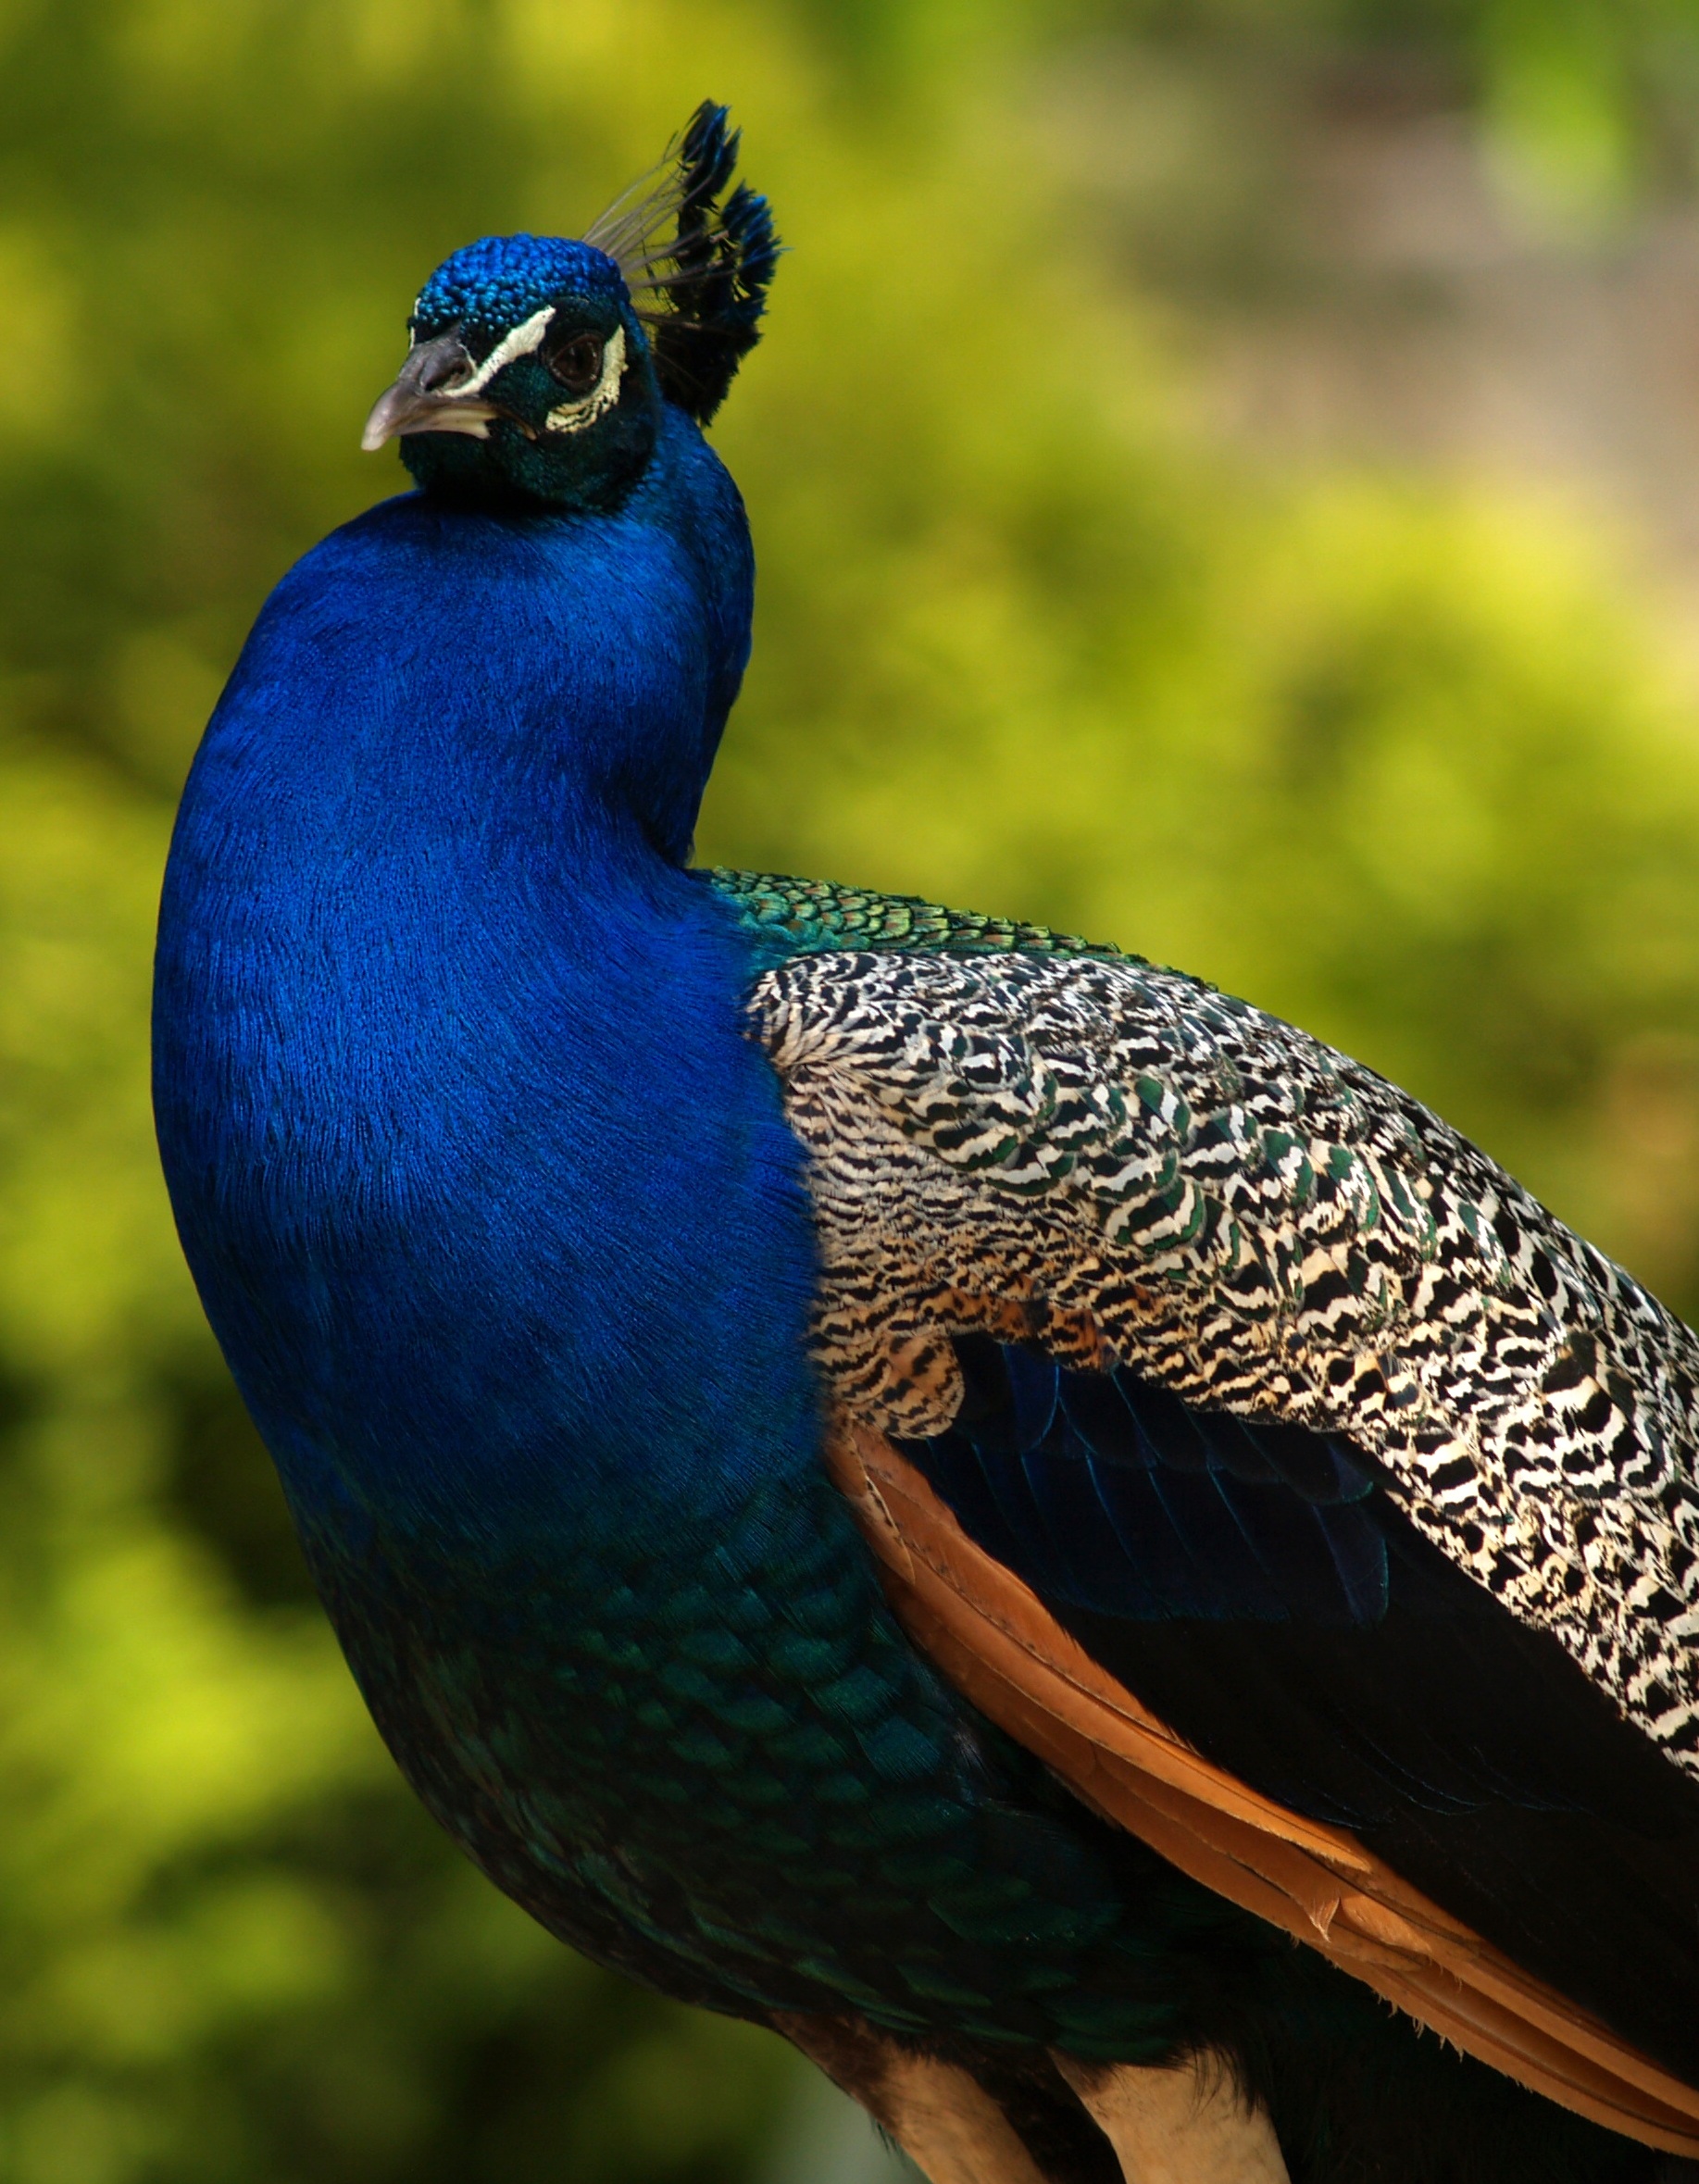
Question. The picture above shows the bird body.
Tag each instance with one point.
(882, 1470)
(603, 1443)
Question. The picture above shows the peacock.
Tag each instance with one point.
(938, 1487)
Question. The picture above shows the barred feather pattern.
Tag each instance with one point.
(1119, 1164)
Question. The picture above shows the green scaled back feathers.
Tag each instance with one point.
(805, 915)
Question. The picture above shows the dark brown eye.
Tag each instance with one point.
(576, 363)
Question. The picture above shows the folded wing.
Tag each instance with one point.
(1247, 1444)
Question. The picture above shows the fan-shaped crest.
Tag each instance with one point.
(698, 255)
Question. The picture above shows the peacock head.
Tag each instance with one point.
(539, 366)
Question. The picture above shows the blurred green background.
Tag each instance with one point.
(1226, 475)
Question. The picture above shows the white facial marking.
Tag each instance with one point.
(519, 342)
(573, 416)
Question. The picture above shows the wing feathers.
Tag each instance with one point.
(993, 1636)
(1122, 1168)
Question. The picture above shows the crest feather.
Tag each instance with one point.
(698, 255)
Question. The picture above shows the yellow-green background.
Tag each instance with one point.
(1404, 756)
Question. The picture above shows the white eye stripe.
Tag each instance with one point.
(520, 342)
(573, 416)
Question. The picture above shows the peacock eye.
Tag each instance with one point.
(577, 364)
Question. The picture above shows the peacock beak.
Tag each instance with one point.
(424, 399)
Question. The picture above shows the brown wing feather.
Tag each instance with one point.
(1002, 1648)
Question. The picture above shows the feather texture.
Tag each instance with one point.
(1003, 1648)
(1255, 1380)
(702, 250)
(1113, 1159)
(1239, 1450)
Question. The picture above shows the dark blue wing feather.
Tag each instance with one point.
(1262, 1591)
(1084, 1546)
(1107, 1492)
(1034, 1386)
(1154, 1551)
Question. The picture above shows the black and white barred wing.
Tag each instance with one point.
(1120, 1166)
(1245, 1444)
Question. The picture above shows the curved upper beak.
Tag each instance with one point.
(423, 398)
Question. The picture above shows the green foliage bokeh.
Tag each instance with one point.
(1401, 759)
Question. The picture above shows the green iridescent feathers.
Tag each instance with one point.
(796, 917)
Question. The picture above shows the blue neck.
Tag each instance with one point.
(487, 1194)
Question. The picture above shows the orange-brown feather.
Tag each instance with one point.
(1002, 1648)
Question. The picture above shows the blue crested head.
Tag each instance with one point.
(539, 364)
(491, 286)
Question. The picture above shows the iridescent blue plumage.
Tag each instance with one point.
(501, 1221)
(499, 280)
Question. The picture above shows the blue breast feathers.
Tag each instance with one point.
(482, 1184)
